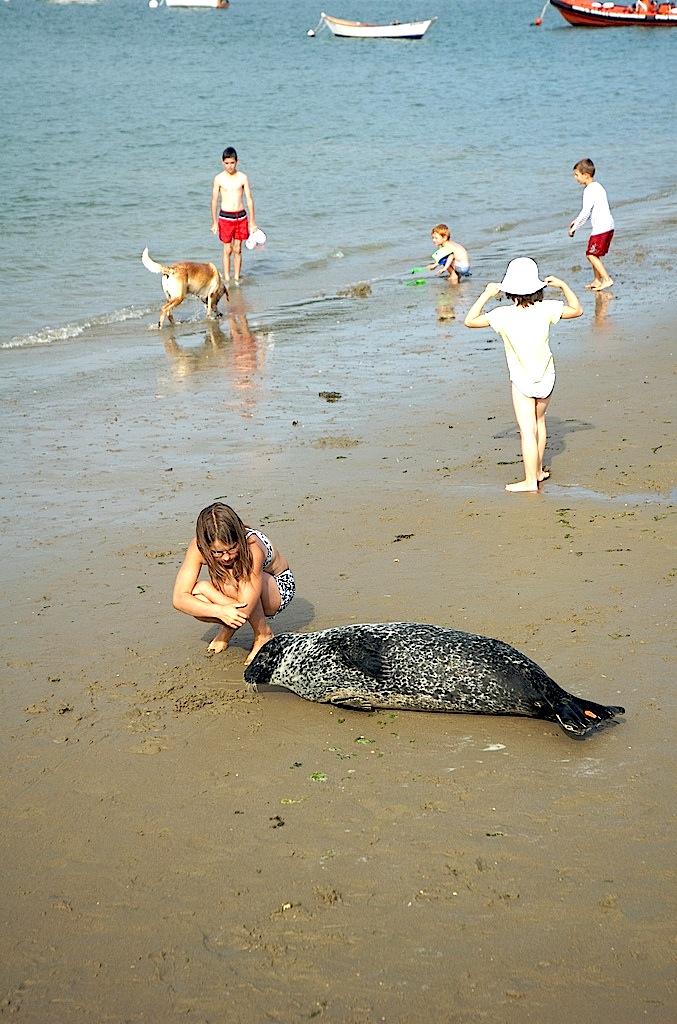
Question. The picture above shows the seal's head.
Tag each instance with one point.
(264, 664)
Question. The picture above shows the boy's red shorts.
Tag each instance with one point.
(598, 245)
(233, 225)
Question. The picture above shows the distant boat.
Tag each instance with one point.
(594, 14)
(195, 3)
(368, 30)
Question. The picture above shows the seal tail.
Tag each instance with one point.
(150, 264)
(583, 716)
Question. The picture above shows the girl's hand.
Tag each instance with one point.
(233, 616)
(491, 290)
(553, 282)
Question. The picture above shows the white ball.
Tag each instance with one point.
(308, 33)
(152, 3)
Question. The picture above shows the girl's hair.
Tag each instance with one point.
(441, 229)
(219, 524)
(526, 300)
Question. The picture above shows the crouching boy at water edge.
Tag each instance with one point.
(449, 257)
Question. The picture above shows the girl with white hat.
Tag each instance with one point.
(525, 329)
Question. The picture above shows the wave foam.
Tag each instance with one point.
(49, 335)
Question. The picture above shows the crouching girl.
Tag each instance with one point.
(249, 579)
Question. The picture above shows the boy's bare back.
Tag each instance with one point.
(459, 252)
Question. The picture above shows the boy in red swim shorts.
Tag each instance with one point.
(230, 222)
(596, 207)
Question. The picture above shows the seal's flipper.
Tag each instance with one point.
(583, 716)
(356, 701)
(365, 655)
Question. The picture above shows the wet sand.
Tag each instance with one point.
(178, 848)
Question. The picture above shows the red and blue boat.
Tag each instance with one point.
(596, 14)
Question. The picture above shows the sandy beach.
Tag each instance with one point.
(177, 848)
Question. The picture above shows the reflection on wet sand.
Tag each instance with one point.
(602, 300)
(445, 307)
(189, 359)
(239, 351)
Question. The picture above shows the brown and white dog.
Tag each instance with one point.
(181, 279)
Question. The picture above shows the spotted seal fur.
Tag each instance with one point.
(412, 666)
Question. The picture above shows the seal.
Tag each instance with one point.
(413, 666)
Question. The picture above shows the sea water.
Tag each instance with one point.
(115, 114)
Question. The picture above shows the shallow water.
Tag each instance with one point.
(111, 138)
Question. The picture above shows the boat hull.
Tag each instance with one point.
(364, 30)
(596, 15)
(195, 3)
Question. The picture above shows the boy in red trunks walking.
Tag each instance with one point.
(229, 217)
(596, 207)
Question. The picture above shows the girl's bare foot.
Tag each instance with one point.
(220, 641)
(217, 646)
(523, 485)
(259, 642)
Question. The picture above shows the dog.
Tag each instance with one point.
(181, 279)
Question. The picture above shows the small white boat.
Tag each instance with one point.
(367, 30)
(195, 3)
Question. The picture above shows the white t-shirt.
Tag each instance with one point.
(525, 332)
(596, 207)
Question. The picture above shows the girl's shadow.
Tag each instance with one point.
(557, 433)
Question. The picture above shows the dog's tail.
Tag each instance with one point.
(149, 264)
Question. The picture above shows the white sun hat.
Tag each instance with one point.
(257, 238)
(521, 277)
